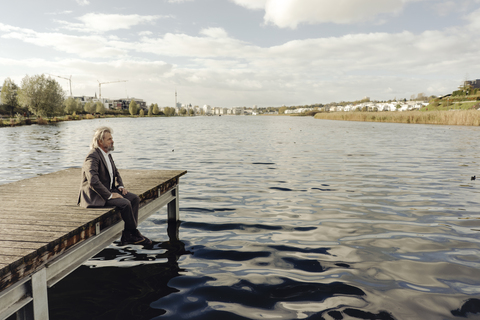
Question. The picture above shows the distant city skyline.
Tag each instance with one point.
(227, 53)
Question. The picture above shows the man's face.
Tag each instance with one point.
(107, 143)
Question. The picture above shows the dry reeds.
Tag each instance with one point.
(456, 117)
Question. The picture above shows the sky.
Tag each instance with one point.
(227, 53)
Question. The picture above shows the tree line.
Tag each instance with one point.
(38, 94)
(44, 97)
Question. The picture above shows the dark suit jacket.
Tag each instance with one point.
(94, 189)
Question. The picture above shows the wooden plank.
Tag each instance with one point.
(16, 251)
(22, 245)
(37, 229)
(30, 225)
(10, 228)
(8, 258)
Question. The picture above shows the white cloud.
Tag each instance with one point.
(474, 20)
(214, 33)
(60, 12)
(291, 13)
(84, 46)
(251, 4)
(145, 33)
(214, 43)
(100, 23)
(83, 2)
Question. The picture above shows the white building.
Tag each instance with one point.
(207, 109)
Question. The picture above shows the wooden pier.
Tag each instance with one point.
(44, 235)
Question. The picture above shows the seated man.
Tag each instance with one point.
(102, 186)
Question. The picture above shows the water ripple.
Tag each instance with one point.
(314, 220)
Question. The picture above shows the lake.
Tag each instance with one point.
(281, 218)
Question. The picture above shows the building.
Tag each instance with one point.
(207, 109)
(475, 84)
(124, 104)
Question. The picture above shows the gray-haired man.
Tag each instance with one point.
(102, 186)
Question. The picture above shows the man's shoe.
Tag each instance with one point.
(134, 237)
(129, 237)
(147, 242)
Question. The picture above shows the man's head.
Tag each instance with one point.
(103, 139)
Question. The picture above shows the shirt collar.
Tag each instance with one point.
(105, 154)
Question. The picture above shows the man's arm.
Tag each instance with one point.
(118, 179)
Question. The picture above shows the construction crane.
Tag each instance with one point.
(69, 80)
(100, 86)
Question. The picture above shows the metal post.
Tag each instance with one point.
(39, 293)
(173, 231)
(172, 207)
(26, 313)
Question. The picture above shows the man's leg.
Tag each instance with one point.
(126, 211)
(134, 203)
(129, 211)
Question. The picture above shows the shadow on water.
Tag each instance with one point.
(123, 289)
(471, 306)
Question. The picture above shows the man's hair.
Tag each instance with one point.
(99, 136)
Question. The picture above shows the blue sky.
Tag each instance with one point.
(245, 52)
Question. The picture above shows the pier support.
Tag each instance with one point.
(172, 208)
(40, 295)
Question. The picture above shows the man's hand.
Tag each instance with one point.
(123, 190)
(116, 195)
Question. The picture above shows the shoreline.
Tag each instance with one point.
(456, 117)
(16, 122)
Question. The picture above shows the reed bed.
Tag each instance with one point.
(456, 117)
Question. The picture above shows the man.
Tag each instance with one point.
(102, 186)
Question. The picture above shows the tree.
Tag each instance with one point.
(191, 112)
(9, 95)
(43, 96)
(169, 111)
(183, 111)
(133, 108)
(89, 107)
(72, 105)
(79, 105)
(142, 113)
(150, 110)
(282, 110)
(155, 109)
(100, 107)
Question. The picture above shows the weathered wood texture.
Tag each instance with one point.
(40, 219)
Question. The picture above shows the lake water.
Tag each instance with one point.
(281, 218)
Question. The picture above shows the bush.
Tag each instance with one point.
(41, 121)
(312, 113)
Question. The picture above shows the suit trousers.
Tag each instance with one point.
(128, 207)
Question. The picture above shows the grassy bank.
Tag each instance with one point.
(458, 117)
